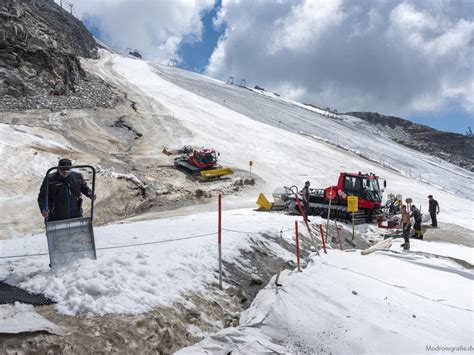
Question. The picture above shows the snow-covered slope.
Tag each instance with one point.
(281, 156)
(346, 131)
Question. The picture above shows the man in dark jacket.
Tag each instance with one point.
(64, 195)
(434, 210)
(305, 194)
(416, 214)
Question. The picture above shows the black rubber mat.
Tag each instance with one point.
(11, 294)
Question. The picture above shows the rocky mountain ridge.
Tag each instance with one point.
(453, 147)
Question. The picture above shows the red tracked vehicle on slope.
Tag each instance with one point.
(200, 161)
(365, 186)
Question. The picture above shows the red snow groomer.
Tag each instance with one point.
(365, 186)
(201, 161)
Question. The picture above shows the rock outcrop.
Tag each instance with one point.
(40, 46)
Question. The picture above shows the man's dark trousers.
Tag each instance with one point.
(434, 221)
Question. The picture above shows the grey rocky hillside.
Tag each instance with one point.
(40, 46)
(453, 147)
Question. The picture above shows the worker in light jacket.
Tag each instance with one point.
(406, 227)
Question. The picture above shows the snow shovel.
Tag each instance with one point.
(70, 239)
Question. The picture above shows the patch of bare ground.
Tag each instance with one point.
(160, 331)
(450, 233)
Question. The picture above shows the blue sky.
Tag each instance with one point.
(454, 120)
(196, 55)
(333, 67)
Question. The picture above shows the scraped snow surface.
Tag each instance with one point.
(402, 302)
(345, 303)
(21, 318)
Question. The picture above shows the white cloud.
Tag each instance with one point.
(290, 90)
(156, 28)
(432, 35)
(454, 39)
(217, 59)
(302, 27)
(408, 19)
(392, 57)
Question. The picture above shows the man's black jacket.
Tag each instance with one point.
(416, 215)
(64, 196)
(305, 193)
(433, 205)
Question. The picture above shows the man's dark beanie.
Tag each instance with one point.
(65, 162)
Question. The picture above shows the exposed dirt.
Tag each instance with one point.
(450, 233)
(160, 331)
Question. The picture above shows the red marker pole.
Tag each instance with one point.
(322, 238)
(219, 237)
(303, 213)
(297, 247)
(304, 218)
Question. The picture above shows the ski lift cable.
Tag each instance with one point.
(22, 256)
(158, 241)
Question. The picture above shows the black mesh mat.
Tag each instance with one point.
(11, 294)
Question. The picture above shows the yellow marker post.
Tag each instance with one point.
(352, 206)
(250, 168)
